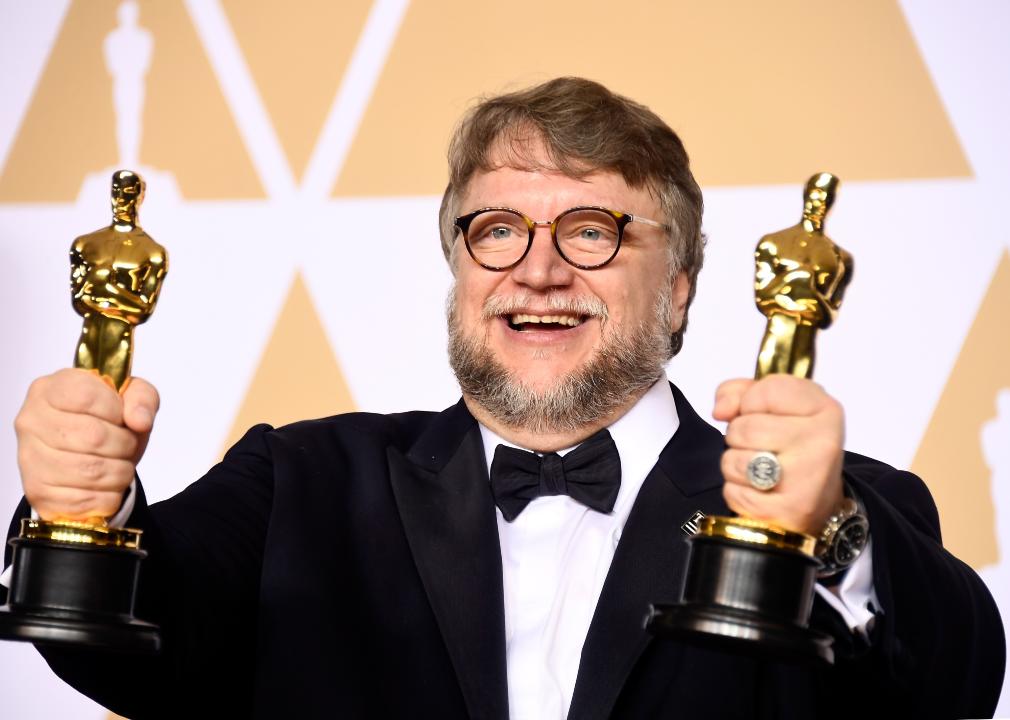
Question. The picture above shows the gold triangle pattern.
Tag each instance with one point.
(69, 129)
(297, 56)
(760, 92)
(950, 455)
(188, 128)
(298, 375)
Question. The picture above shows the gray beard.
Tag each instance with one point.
(625, 365)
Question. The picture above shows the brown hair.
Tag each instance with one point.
(584, 127)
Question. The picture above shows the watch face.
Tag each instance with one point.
(850, 541)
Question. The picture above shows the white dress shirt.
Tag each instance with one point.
(556, 555)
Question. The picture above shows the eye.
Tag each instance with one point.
(591, 233)
(497, 227)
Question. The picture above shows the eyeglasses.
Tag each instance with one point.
(586, 237)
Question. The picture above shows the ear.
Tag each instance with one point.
(680, 290)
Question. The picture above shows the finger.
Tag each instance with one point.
(784, 395)
(75, 504)
(734, 466)
(48, 468)
(772, 433)
(734, 470)
(727, 398)
(75, 432)
(756, 505)
(140, 404)
(80, 391)
(85, 435)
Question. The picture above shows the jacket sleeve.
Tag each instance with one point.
(937, 645)
(200, 585)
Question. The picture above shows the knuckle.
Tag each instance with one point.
(32, 465)
(38, 387)
(745, 432)
(121, 474)
(727, 465)
(93, 434)
(130, 445)
(36, 494)
(748, 433)
(80, 391)
(729, 494)
(22, 422)
(81, 503)
(740, 501)
(27, 419)
(107, 504)
(733, 431)
(91, 468)
(725, 389)
(835, 410)
(50, 501)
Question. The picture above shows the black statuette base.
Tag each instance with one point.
(75, 593)
(747, 598)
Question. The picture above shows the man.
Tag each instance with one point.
(363, 565)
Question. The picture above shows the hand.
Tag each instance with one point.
(79, 442)
(805, 427)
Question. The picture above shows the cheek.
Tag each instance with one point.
(628, 304)
(471, 292)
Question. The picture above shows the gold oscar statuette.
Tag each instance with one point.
(749, 585)
(74, 581)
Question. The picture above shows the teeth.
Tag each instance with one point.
(557, 319)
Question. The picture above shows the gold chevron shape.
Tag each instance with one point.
(760, 92)
(298, 375)
(297, 55)
(69, 128)
(950, 455)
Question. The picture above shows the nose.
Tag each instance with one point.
(543, 267)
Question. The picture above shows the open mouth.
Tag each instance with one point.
(523, 321)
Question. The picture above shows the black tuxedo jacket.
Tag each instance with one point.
(350, 567)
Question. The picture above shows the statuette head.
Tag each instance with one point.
(818, 197)
(127, 195)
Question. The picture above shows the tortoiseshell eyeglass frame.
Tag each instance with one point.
(622, 219)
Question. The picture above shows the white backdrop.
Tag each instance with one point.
(927, 248)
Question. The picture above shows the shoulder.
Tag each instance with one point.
(394, 429)
(346, 434)
(312, 453)
(85, 242)
(155, 253)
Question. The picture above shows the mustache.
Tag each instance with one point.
(581, 305)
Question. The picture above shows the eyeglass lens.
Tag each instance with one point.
(498, 238)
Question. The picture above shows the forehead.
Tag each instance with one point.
(543, 192)
(521, 172)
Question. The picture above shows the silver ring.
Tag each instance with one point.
(764, 471)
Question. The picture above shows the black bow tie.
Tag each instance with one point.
(590, 474)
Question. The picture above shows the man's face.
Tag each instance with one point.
(620, 312)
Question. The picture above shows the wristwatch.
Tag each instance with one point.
(843, 538)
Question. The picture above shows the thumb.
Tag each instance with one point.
(140, 404)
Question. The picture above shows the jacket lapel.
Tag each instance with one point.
(649, 564)
(448, 514)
